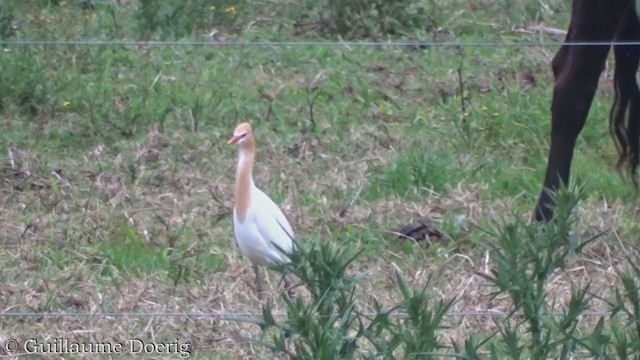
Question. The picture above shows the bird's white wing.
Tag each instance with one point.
(273, 225)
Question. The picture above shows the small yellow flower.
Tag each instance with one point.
(66, 104)
(212, 8)
(231, 10)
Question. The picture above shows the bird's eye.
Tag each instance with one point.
(243, 135)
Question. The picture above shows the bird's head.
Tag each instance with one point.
(242, 135)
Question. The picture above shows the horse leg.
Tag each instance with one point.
(576, 71)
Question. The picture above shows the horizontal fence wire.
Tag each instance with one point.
(254, 316)
(232, 43)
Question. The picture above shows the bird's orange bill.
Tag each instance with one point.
(233, 139)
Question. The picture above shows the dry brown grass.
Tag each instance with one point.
(52, 222)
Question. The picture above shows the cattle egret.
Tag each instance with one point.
(262, 231)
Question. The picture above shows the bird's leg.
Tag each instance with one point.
(258, 282)
(288, 286)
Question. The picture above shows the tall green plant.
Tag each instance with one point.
(7, 19)
(525, 256)
(23, 82)
(320, 328)
(179, 18)
(330, 325)
(626, 336)
(355, 18)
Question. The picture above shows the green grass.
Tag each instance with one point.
(118, 180)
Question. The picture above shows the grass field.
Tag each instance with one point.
(117, 182)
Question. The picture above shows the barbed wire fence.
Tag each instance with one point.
(232, 43)
(250, 316)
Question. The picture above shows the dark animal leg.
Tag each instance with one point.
(576, 70)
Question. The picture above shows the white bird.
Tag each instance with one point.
(262, 231)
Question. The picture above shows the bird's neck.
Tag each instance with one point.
(244, 183)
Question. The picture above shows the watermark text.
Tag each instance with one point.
(68, 346)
